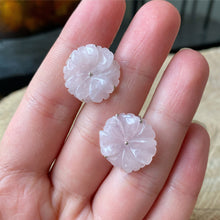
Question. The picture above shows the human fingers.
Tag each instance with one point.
(80, 167)
(42, 121)
(170, 113)
(179, 195)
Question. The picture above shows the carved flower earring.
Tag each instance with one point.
(128, 142)
(91, 73)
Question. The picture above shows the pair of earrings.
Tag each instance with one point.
(91, 75)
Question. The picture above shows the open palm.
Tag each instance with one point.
(81, 184)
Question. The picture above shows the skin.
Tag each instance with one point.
(82, 184)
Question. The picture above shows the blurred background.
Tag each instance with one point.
(28, 29)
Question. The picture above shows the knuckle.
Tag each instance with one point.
(88, 130)
(46, 106)
(145, 183)
(182, 190)
(163, 115)
(136, 71)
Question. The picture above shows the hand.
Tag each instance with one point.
(82, 184)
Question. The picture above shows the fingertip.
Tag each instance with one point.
(196, 58)
(162, 8)
(93, 16)
(199, 129)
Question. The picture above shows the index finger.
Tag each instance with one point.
(42, 121)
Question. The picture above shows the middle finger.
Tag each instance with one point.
(140, 55)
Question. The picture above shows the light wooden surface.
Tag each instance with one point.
(208, 204)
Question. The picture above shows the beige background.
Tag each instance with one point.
(208, 204)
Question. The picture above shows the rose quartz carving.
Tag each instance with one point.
(91, 73)
(127, 141)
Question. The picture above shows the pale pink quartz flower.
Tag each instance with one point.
(91, 73)
(128, 142)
